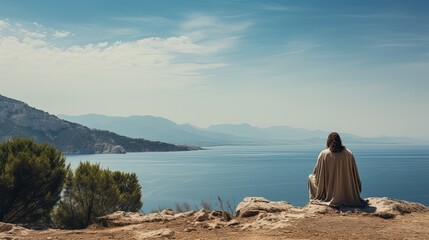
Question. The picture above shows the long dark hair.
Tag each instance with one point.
(334, 142)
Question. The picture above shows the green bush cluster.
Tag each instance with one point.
(35, 185)
(31, 180)
(91, 192)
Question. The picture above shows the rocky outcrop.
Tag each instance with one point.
(17, 119)
(108, 148)
(11, 231)
(390, 208)
(256, 218)
(264, 214)
(252, 206)
(268, 214)
(120, 218)
(126, 218)
(164, 233)
(203, 218)
(272, 215)
(204, 215)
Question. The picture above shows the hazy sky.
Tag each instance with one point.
(360, 67)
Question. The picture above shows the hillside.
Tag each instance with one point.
(17, 119)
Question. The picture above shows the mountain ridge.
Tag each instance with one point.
(18, 119)
(164, 130)
(221, 134)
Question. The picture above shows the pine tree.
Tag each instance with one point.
(92, 192)
(31, 180)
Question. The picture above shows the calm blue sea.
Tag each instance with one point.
(273, 172)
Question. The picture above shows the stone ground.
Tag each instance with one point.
(257, 218)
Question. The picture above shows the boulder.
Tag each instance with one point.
(389, 208)
(120, 218)
(204, 215)
(252, 206)
(277, 215)
(9, 231)
(201, 216)
(220, 215)
(107, 148)
(5, 227)
(184, 214)
(167, 211)
(383, 207)
(161, 233)
(233, 222)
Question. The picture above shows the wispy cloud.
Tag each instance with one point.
(383, 15)
(210, 25)
(27, 54)
(385, 39)
(31, 31)
(147, 20)
(296, 47)
(61, 34)
(394, 45)
(32, 34)
(4, 24)
(38, 25)
(212, 32)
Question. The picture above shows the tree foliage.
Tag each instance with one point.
(31, 180)
(91, 192)
(129, 191)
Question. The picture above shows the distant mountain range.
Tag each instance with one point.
(155, 128)
(161, 129)
(17, 119)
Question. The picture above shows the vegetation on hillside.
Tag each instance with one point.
(31, 180)
(17, 119)
(91, 192)
(37, 186)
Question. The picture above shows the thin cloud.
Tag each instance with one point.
(31, 34)
(4, 24)
(149, 19)
(61, 34)
(387, 15)
(214, 33)
(395, 45)
(296, 47)
(37, 25)
(26, 55)
(383, 39)
(208, 22)
(368, 16)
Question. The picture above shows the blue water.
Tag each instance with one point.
(274, 172)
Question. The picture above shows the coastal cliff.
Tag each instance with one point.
(255, 218)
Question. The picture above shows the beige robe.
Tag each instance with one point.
(335, 180)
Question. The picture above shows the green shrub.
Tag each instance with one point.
(129, 191)
(31, 180)
(92, 192)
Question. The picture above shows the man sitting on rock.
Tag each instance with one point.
(335, 180)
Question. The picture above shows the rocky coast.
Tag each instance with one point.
(254, 218)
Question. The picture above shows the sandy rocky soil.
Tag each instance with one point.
(256, 218)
